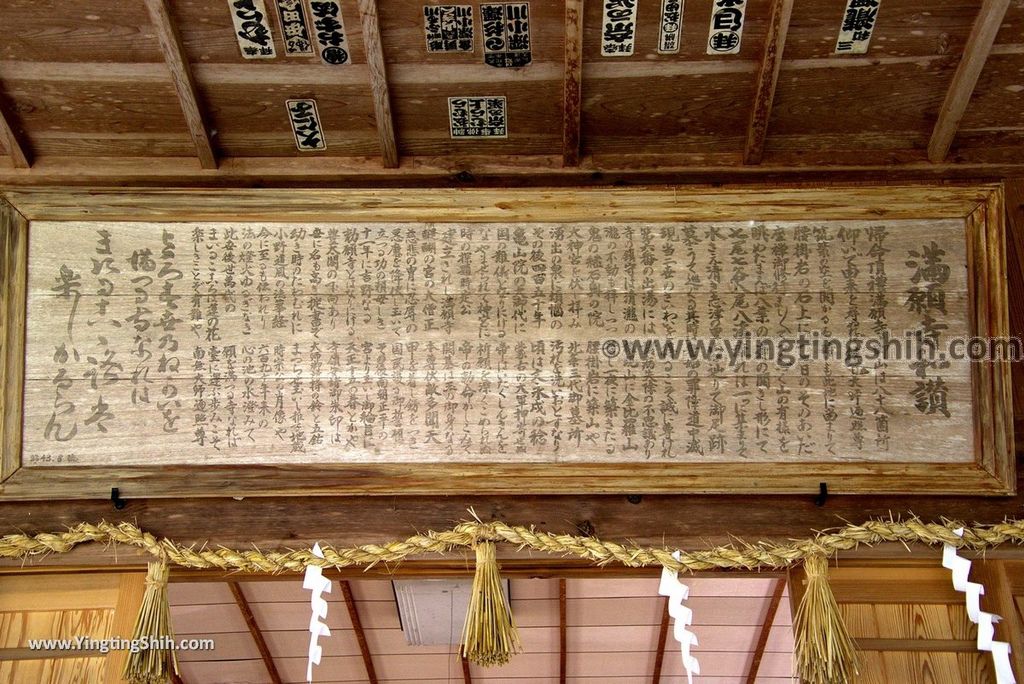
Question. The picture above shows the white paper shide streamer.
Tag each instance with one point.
(677, 592)
(315, 582)
(961, 568)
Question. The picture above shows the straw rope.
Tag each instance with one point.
(739, 555)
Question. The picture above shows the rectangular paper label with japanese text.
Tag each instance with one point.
(252, 29)
(858, 23)
(618, 28)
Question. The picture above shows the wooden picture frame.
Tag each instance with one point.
(980, 206)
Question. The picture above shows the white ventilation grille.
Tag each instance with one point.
(432, 612)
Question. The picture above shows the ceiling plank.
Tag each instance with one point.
(19, 157)
(659, 653)
(572, 93)
(254, 630)
(563, 629)
(976, 51)
(357, 627)
(494, 170)
(767, 78)
(181, 74)
(467, 678)
(379, 83)
(766, 630)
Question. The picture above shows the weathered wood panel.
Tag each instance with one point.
(203, 330)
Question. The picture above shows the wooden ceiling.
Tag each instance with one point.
(615, 633)
(158, 92)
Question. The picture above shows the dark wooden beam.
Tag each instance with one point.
(563, 633)
(379, 83)
(467, 678)
(254, 630)
(976, 51)
(767, 78)
(573, 83)
(357, 627)
(15, 149)
(673, 521)
(181, 74)
(659, 653)
(766, 630)
(502, 171)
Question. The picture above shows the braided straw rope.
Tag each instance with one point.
(740, 555)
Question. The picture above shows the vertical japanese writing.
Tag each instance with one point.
(305, 122)
(448, 28)
(477, 117)
(858, 23)
(618, 28)
(295, 28)
(252, 29)
(329, 26)
(506, 29)
(726, 27)
(671, 31)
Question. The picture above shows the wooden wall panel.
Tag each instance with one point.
(904, 28)
(888, 119)
(534, 117)
(998, 101)
(94, 31)
(99, 606)
(252, 121)
(1012, 29)
(112, 117)
(682, 113)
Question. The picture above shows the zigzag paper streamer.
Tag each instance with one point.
(677, 592)
(315, 581)
(961, 568)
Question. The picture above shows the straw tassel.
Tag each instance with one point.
(825, 652)
(490, 636)
(153, 626)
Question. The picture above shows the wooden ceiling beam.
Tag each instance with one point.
(462, 171)
(379, 83)
(976, 51)
(254, 630)
(184, 84)
(659, 651)
(357, 627)
(563, 633)
(15, 150)
(766, 630)
(572, 87)
(767, 78)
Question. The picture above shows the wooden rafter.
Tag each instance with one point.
(357, 627)
(573, 83)
(659, 653)
(379, 83)
(184, 84)
(563, 629)
(767, 78)
(467, 678)
(766, 630)
(976, 51)
(19, 156)
(254, 630)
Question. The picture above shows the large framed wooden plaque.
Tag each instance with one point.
(304, 342)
